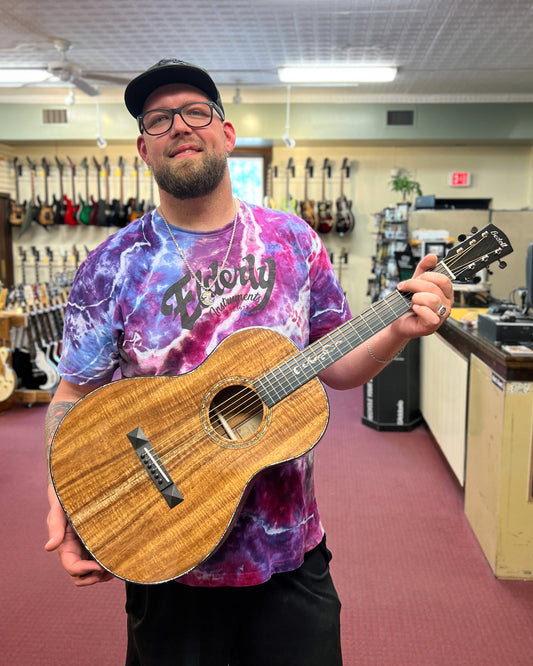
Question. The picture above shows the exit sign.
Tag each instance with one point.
(459, 179)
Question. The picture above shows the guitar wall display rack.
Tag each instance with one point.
(152, 490)
(72, 208)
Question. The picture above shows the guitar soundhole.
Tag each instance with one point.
(235, 415)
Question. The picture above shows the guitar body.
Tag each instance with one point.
(109, 497)
(46, 215)
(307, 211)
(70, 213)
(31, 215)
(16, 213)
(84, 212)
(325, 218)
(345, 218)
(8, 378)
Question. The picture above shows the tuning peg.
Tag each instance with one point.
(489, 271)
(476, 279)
(461, 237)
(473, 230)
(502, 264)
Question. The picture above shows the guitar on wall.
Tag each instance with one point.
(325, 218)
(307, 206)
(71, 209)
(46, 213)
(98, 213)
(272, 172)
(136, 205)
(152, 496)
(16, 208)
(32, 208)
(85, 207)
(345, 220)
(59, 206)
(289, 203)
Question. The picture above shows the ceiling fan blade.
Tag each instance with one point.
(84, 86)
(107, 78)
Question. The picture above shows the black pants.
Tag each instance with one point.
(291, 620)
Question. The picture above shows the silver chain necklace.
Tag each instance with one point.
(207, 294)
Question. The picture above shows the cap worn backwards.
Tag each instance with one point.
(168, 70)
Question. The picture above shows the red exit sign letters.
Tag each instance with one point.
(459, 179)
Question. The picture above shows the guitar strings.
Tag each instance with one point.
(455, 259)
(246, 398)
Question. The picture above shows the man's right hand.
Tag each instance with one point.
(75, 558)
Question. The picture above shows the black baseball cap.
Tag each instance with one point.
(168, 70)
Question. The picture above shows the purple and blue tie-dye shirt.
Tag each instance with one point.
(134, 310)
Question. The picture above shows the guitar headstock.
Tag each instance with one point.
(477, 252)
(72, 166)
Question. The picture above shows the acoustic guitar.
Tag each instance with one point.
(152, 471)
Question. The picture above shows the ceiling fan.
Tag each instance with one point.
(69, 72)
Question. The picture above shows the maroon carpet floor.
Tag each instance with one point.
(415, 586)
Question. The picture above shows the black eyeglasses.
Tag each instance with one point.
(193, 114)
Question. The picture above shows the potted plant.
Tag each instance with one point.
(402, 181)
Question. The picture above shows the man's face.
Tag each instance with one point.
(186, 162)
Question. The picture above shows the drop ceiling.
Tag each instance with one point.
(448, 50)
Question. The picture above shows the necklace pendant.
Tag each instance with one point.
(207, 297)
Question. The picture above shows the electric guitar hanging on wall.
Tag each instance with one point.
(345, 220)
(17, 209)
(325, 218)
(46, 213)
(307, 206)
(289, 204)
(59, 206)
(32, 208)
(152, 495)
(71, 206)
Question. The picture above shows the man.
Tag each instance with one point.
(156, 299)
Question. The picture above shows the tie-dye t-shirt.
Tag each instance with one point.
(134, 310)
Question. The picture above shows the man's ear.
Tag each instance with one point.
(231, 136)
(141, 148)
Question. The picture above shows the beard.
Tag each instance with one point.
(189, 181)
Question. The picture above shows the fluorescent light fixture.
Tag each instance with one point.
(338, 74)
(22, 76)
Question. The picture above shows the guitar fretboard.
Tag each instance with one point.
(290, 375)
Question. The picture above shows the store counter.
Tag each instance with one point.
(486, 394)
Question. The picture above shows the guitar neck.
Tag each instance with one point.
(290, 375)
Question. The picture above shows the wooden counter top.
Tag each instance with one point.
(468, 341)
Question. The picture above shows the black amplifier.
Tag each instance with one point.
(501, 329)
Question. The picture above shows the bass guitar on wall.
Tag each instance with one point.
(152, 471)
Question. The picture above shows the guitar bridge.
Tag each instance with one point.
(154, 467)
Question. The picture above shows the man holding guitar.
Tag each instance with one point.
(216, 293)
